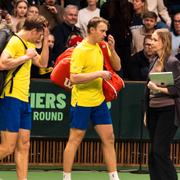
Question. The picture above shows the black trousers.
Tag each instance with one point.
(161, 130)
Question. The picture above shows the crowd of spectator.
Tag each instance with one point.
(131, 24)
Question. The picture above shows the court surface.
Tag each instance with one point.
(76, 175)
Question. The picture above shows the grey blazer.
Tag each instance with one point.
(173, 64)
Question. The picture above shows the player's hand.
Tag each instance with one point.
(46, 33)
(106, 75)
(31, 53)
(111, 42)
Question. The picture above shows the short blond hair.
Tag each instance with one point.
(93, 23)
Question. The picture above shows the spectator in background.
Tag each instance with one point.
(33, 10)
(20, 13)
(140, 7)
(5, 20)
(35, 69)
(44, 72)
(160, 9)
(175, 32)
(74, 39)
(51, 41)
(52, 12)
(86, 14)
(138, 34)
(119, 15)
(62, 31)
(139, 64)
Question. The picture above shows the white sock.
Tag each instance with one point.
(113, 176)
(66, 176)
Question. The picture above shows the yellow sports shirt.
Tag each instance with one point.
(87, 58)
(15, 49)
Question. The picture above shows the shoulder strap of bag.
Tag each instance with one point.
(104, 48)
(17, 69)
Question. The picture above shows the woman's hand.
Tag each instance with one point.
(153, 87)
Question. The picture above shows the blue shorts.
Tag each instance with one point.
(81, 116)
(14, 114)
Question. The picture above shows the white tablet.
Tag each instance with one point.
(162, 78)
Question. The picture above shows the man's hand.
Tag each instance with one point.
(31, 53)
(106, 75)
(46, 33)
(111, 42)
(52, 9)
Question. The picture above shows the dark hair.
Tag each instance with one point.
(118, 11)
(93, 23)
(35, 22)
(121, 8)
(150, 14)
(146, 37)
(34, 5)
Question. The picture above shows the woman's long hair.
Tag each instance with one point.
(165, 36)
(145, 9)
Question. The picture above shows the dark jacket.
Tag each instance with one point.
(138, 67)
(173, 64)
(61, 33)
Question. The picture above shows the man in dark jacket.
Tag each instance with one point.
(139, 64)
(62, 31)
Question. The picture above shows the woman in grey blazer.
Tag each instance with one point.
(163, 108)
